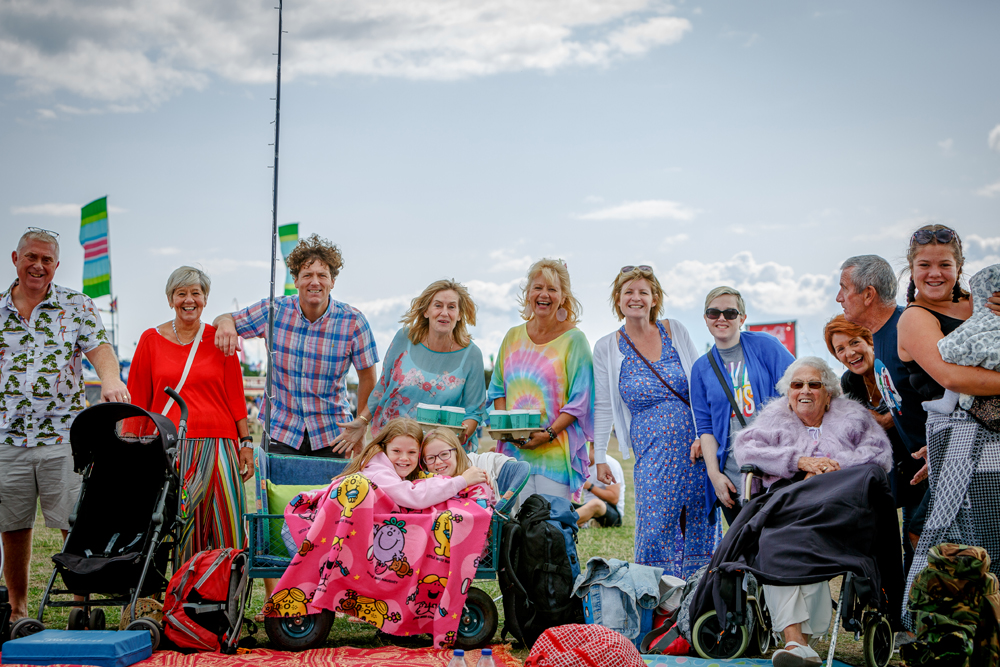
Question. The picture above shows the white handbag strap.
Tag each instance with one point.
(187, 367)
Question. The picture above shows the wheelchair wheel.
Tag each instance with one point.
(154, 629)
(714, 642)
(299, 633)
(479, 621)
(25, 627)
(878, 642)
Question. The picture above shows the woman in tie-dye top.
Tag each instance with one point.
(546, 364)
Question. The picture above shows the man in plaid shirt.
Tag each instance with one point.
(316, 340)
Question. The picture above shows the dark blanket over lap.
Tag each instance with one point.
(811, 531)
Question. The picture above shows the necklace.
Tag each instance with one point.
(173, 324)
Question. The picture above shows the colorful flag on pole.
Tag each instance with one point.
(289, 237)
(94, 239)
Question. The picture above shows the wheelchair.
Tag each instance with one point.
(748, 621)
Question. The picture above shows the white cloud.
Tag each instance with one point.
(46, 113)
(989, 190)
(946, 145)
(980, 252)
(503, 260)
(671, 241)
(165, 251)
(644, 210)
(57, 210)
(218, 265)
(768, 287)
(993, 140)
(133, 54)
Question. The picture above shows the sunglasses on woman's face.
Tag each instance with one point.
(444, 456)
(728, 313)
(641, 267)
(925, 236)
(798, 384)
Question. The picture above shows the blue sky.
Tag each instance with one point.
(756, 144)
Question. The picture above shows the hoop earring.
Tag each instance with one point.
(956, 293)
(911, 291)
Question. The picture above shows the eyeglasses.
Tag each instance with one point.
(798, 384)
(728, 313)
(443, 456)
(925, 236)
(31, 230)
(641, 267)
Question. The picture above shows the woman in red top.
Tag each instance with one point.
(217, 453)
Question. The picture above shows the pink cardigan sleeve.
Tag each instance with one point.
(417, 495)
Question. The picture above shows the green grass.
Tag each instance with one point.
(605, 542)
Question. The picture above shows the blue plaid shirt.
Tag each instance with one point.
(310, 366)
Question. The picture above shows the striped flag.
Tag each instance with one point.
(94, 239)
(289, 237)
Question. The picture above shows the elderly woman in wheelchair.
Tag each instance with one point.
(824, 459)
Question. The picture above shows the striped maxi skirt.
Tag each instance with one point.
(212, 499)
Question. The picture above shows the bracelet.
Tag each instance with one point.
(362, 418)
(246, 441)
(552, 434)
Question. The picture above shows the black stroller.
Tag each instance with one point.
(125, 526)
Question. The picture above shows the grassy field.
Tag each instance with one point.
(606, 542)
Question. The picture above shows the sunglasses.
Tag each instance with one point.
(925, 236)
(444, 456)
(728, 313)
(798, 384)
(43, 231)
(641, 267)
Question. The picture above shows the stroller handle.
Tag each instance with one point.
(182, 424)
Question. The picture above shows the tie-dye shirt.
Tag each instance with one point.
(555, 377)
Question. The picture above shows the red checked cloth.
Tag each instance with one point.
(583, 645)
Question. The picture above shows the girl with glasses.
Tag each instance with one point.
(442, 455)
(749, 364)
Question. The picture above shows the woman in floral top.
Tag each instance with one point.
(433, 360)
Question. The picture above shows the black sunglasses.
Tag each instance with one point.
(925, 236)
(641, 267)
(728, 313)
(798, 384)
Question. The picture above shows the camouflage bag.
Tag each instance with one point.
(955, 602)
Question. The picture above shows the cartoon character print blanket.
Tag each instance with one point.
(407, 572)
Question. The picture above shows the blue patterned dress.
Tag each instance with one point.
(671, 528)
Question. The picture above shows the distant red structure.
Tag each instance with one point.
(784, 331)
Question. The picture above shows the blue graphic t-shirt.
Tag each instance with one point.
(893, 382)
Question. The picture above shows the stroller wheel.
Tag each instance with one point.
(713, 641)
(878, 642)
(26, 627)
(77, 619)
(479, 621)
(299, 633)
(96, 621)
(150, 626)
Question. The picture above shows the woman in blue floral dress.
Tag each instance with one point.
(432, 359)
(671, 531)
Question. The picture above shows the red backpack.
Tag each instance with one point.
(203, 608)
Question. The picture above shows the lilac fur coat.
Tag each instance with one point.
(777, 438)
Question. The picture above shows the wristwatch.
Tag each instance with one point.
(246, 441)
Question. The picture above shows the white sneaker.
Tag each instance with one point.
(795, 655)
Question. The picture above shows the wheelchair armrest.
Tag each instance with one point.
(753, 470)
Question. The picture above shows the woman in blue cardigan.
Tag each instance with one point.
(750, 363)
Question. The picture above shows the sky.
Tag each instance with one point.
(755, 144)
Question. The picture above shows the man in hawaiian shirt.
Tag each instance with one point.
(44, 330)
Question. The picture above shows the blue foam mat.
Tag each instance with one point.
(103, 648)
(686, 661)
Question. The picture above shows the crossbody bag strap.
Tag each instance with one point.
(187, 367)
(646, 361)
(726, 389)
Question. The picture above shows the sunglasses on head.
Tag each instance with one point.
(798, 384)
(641, 267)
(728, 313)
(925, 236)
(43, 231)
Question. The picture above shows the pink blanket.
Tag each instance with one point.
(407, 572)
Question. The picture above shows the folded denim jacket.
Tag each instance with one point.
(619, 591)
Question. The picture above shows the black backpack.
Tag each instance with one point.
(538, 565)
